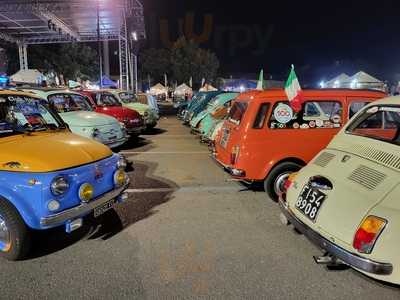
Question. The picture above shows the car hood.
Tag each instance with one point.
(139, 107)
(359, 185)
(87, 118)
(120, 112)
(48, 152)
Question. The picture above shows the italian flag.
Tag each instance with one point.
(293, 91)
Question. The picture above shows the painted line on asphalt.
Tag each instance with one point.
(164, 152)
(186, 189)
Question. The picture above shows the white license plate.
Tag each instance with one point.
(310, 202)
(225, 138)
(98, 211)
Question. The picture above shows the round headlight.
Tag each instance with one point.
(59, 186)
(119, 178)
(86, 192)
(122, 162)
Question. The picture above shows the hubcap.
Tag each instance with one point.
(280, 182)
(4, 235)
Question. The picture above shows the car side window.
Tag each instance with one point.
(355, 107)
(314, 115)
(261, 116)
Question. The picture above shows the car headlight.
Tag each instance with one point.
(122, 163)
(119, 178)
(86, 192)
(59, 186)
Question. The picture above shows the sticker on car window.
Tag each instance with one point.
(283, 113)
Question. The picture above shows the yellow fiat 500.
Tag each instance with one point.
(49, 177)
(347, 200)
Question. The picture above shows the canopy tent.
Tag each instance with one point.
(208, 88)
(338, 81)
(106, 82)
(183, 90)
(240, 85)
(31, 76)
(158, 89)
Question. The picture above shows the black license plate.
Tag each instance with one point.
(310, 202)
(98, 211)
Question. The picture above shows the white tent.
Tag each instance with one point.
(208, 88)
(362, 80)
(183, 89)
(339, 81)
(32, 76)
(158, 89)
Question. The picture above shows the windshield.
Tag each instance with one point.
(20, 114)
(63, 103)
(380, 123)
(127, 97)
(107, 99)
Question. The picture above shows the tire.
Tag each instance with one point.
(276, 177)
(19, 239)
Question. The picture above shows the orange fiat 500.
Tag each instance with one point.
(264, 140)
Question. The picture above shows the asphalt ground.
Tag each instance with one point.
(186, 232)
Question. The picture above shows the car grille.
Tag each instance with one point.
(367, 177)
(324, 159)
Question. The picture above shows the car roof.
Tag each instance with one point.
(16, 93)
(389, 101)
(48, 92)
(279, 94)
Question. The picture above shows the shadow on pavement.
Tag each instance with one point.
(136, 143)
(139, 206)
(154, 131)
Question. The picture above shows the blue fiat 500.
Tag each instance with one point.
(49, 177)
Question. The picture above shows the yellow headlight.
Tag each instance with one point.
(86, 192)
(119, 178)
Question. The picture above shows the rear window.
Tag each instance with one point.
(237, 112)
(261, 116)
(380, 123)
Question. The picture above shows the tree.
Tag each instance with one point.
(155, 63)
(189, 60)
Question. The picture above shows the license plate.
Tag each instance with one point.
(310, 201)
(225, 138)
(98, 211)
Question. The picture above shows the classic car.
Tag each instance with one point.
(264, 140)
(148, 112)
(76, 111)
(198, 105)
(204, 118)
(346, 200)
(49, 177)
(105, 103)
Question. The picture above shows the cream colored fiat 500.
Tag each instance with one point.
(347, 199)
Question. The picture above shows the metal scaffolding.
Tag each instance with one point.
(32, 22)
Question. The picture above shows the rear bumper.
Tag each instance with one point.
(349, 258)
(237, 173)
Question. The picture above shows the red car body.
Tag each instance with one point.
(132, 120)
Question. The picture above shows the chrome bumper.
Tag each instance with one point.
(81, 210)
(349, 258)
(237, 173)
(116, 143)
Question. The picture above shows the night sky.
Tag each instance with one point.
(322, 38)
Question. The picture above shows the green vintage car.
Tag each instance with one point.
(129, 100)
(346, 200)
(76, 111)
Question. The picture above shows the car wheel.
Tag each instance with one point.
(14, 234)
(274, 182)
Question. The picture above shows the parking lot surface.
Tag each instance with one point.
(187, 231)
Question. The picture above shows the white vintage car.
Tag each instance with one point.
(347, 199)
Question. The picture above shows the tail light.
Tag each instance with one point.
(288, 183)
(368, 233)
(235, 154)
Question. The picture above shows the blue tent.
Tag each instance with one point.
(107, 83)
(240, 85)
